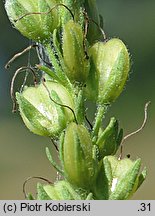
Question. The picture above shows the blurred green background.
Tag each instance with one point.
(22, 153)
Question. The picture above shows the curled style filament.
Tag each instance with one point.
(45, 13)
(33, 177)
(136, 131)
(62, 105)
(19, 54)
(21, 69)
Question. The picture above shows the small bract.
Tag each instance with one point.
(42, 115)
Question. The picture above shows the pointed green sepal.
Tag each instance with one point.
(41, 193)
(102, 185)
(73, 52)
(142, 177)
(109, 140)
(52, 161)
(61, 190)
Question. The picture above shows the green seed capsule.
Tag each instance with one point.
(73, 52)
(109, 70)
(77, 156)
(40, 114)
(118, 179)
(37, 27)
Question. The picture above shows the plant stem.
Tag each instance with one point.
(101, 110)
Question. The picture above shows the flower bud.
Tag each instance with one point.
(109, 70)
(77, 156)
(40, 113)
(73, 52)
(37, 27)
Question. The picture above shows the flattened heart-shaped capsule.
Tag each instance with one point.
(110, 64)
(40, 114)
(33, 18)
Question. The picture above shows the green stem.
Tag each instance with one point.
(98, 121)
(79, 101)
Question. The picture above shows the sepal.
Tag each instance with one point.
(110, 139)
(77, 156)
(73, 52)
(61, 190)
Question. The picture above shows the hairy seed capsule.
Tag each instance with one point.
(23, 15)
(109, 70)
(40, 114)
(73, 52)
(77, 156)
